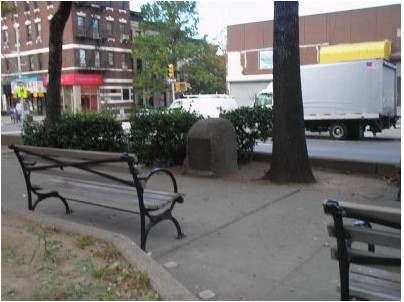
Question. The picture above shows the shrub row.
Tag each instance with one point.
(251, 124)
(159, 136)
(86, 131)
(156, 136)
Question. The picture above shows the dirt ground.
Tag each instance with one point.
(39, 263)
(47, 264)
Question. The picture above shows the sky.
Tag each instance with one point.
(215, 16)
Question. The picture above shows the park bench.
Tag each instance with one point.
(104, 179)
(368, 255)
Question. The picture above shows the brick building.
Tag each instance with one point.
(249, 46)
(97, 66)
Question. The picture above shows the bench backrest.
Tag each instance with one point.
(380, 229)
(91, 164)
(70, 153)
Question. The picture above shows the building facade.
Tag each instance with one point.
(250, 46)
(97, 68)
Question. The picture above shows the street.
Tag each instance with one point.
(384, 148)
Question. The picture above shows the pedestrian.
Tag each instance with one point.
(20, 109)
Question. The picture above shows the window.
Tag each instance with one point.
(122, 28)
(7, 65)
(123, 61)
(5, 36)
(97, 61)
(29, 32)
(110, 29)
(40, 61)
(125, 94)
(82, 58)
(35, 4)
(80, 26)
(96, 28)
(108, 3)
(122, 5)
(31, 62)
(111, 59)
(26, 6)
(38, 29)
(266, 59)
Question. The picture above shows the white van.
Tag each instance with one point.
(207, 105)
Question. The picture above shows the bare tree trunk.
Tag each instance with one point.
(290, 162)
(57, 26)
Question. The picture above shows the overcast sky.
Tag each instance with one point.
(215, 15)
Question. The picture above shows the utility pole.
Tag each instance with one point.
(19, 71)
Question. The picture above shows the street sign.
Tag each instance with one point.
(22, 92)
(181, 87)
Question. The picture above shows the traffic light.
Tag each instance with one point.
(170, 71)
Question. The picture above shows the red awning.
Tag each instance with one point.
(77, 79)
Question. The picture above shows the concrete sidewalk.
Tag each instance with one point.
(247, 239)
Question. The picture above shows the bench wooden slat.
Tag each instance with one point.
(393, 275)
(73, 154)
(367, 235)
(107, 194)
(40, 162)
(392, 214)
(352, 253)
(371, 288)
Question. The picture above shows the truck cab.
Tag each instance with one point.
(264, 98)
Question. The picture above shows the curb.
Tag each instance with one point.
(162, 281)
(343, 165)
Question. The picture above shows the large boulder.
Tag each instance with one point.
(211, 148)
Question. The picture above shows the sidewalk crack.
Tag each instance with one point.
(159, 255)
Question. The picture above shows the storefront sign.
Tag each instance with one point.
(33, 85)
(77, 79)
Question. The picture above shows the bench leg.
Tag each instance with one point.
(154, 220)
(178, 227)
(42, 196)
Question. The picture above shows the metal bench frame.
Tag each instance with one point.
(387, 217)
(86, 161)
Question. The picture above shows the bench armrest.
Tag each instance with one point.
(145, 179)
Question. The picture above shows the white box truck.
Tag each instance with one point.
(346, 98)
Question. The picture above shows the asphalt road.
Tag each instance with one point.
(385, 148)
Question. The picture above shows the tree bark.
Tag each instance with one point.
(57, 26)
(290, 162)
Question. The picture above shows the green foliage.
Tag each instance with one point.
(159, 136)
(251, 124)
(168, 28)
(86, 131)
(7, 8)
(206, 71)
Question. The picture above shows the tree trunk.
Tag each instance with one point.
(290, 162)
(53, 99)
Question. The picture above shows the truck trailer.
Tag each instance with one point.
(345, 98)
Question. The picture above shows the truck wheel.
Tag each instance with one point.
(338, 131)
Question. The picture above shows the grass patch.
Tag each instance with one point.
(84, 241)
(108, 252)
(8, 254)
(65, 266)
